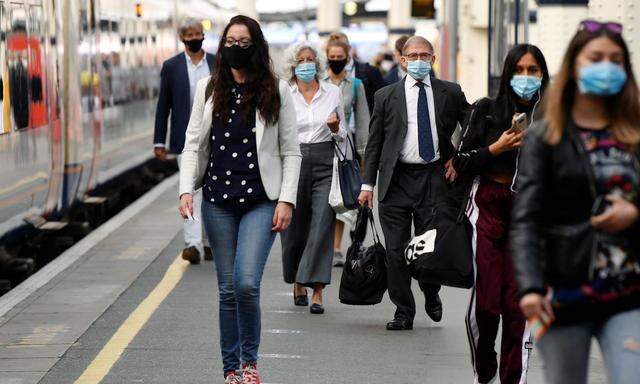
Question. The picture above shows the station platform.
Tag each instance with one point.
(122, 307)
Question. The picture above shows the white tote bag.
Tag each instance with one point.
(335, 195)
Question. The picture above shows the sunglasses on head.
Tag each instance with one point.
(593, 26)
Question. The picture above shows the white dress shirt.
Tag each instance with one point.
(410, 152)
(196, 73)
(312, 117)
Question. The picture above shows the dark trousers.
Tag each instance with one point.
(307, 245)
(495, 293)
(409, 200)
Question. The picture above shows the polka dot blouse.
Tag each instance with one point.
(233, 174)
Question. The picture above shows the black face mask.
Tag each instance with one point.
(194, 45)
(337, 65)
(237, 57)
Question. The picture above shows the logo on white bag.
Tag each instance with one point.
(420, 245)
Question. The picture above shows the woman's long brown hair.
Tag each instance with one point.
(623, 108)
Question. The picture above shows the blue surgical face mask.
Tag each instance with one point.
(601, 79)
(525, 86)
(306, 72)
(418, 69)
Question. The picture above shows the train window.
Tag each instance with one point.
(106, 63)
(18, 65)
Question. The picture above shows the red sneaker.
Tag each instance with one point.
(233, 378)
(250, 374)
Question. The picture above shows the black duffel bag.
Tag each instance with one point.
(349, 175)
(364, 276)
(443, 253)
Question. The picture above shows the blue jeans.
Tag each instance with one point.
(565, 349)
(241, 239)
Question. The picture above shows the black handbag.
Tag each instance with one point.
(443, 254)
(364, 276)
(349, 175)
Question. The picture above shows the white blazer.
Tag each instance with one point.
(279, 154)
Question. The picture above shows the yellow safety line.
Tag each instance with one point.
(111, 352)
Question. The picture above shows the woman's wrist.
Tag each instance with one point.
(495, 149)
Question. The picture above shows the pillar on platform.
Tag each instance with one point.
(399, 20)
(626, 12)
(473, 54)
(328, 17)
(558, 21)
(247, 8)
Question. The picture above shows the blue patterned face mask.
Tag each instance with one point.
(418, 69)
(305, 72)
(601, 79)
(526, 86)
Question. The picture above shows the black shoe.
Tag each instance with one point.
(399, 325)
(301, 301)
(316, 309)
(433, 307)
(191, 254)
(208, 255)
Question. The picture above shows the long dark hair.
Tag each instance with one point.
(623, 108)
(507, 98)
(261, 85)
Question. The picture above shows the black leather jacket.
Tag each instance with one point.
(551, 239)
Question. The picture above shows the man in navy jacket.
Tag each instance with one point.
(178, 79)
(396, 73)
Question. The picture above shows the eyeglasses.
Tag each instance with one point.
(593, 26)
(421, 56)
(242, 43)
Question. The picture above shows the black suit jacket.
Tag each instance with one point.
(388, 128)
(174, 101)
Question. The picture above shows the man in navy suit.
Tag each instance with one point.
(178, 79)
(396, 73)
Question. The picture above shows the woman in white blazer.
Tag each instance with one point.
(242, 149)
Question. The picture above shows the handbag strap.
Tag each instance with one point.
(338, 151)
(376, 236)
(465, 205)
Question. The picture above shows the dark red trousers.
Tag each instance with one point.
(495, 294)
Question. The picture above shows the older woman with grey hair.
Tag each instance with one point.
(307, 245)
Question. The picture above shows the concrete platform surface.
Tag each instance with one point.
(54, 337)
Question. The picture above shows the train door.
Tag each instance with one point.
(91, 95)
(72, 133)
(52, 59)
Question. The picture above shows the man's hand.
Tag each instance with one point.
(366, 197)
(451, 173)
(160, 153)
(282, 216)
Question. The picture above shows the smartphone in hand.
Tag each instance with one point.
(335, 110)
(519, 122)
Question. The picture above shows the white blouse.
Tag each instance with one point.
(312, 117)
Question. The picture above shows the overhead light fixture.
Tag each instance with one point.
(206, 25)
(350, 8)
